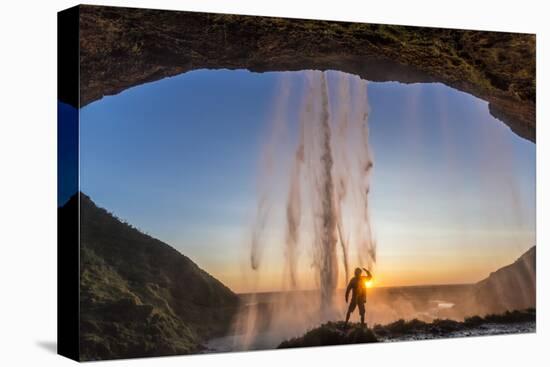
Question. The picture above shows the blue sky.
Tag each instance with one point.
(178, 158)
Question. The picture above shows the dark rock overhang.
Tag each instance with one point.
(122, 47)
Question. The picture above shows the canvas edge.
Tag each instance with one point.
(68, 275)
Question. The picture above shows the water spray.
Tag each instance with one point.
(332, 164)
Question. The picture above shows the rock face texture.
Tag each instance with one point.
(337, 333)
(121, 48)
(332, 333)
(512, 287)
(140, 297)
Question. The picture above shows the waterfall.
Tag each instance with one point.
(327, 202)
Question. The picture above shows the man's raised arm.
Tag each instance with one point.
(369, 275)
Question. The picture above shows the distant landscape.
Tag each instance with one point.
(140, 297)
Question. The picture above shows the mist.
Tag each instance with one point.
(327, 206)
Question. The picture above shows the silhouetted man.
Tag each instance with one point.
(358, 287)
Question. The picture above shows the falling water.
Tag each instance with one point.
(327, 211)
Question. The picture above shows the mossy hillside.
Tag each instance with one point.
(139, 296)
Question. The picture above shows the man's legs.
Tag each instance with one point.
(362, 313)
(351, 307)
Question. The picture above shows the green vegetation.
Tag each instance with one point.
(140, 297)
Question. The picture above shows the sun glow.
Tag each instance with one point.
(368, 283)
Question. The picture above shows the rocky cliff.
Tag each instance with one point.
(512, 287)
(139, 296)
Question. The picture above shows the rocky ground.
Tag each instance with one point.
(337, 333)
(486, 329)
